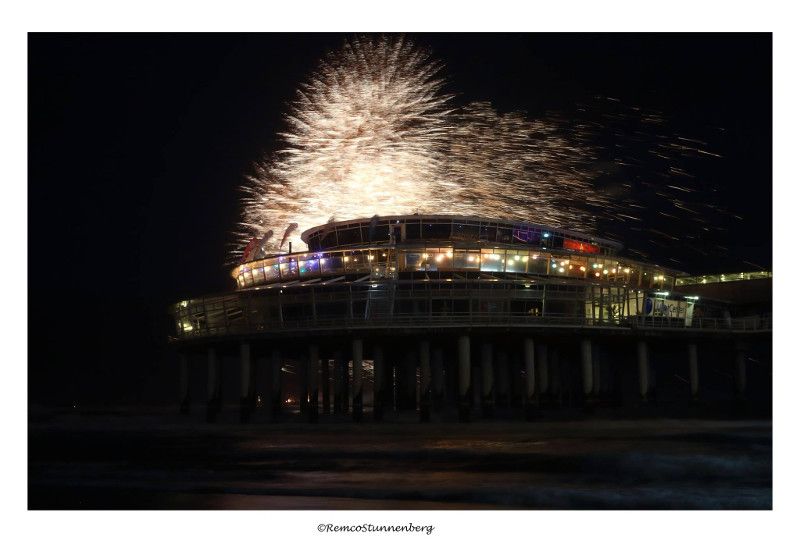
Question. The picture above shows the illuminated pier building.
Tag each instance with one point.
(449, 317)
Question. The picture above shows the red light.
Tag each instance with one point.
(575, 245)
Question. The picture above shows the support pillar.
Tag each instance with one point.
(379, 385)
(644, 370)
(358, 379)
(301, 367)
(463, 378)
(338, 385)
(326, 387)
(437, 378)
(587, 368)
(425, 381)
(530, 378)
(183, 382)
(518, 382)
(487, 375)
(407, 382)
(247, 401)
(214, 386)
(475, 386)
(312, 371)
(345, 385)
(503, 397)
(276, 387)
(451, 377)
(542, 376)
(694, 375)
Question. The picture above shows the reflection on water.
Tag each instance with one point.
(124, 462)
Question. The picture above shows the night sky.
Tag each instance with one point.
(137, 144)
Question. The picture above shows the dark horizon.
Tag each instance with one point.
(138, 143)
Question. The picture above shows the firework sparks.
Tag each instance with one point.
(373, 132)
(365, 135)
(507, 166)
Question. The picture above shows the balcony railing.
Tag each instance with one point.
(241, 326)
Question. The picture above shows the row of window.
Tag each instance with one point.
(385, 262)
(604, 304)
(415, 229)
(723, 278)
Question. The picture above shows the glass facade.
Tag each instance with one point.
(446, 301)
(429, 270)
(385, 262)
(432, 228)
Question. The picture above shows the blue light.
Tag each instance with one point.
(546, 234)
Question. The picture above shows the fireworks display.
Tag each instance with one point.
(366, 135)
(374, 132)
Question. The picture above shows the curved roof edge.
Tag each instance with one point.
(611, 243)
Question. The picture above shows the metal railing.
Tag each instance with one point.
(242, 326)
(752, 323)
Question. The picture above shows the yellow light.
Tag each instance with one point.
(322, 261)
(425, 255)
(347, 259)
(449, 254)
(627, 270)
(597, 274)
(614, 270)
(371, 257)
(583, 268)
(439, 258)
(561, 270)
(570, 266)
(471, 258)
(516, 257)
(605, 272)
